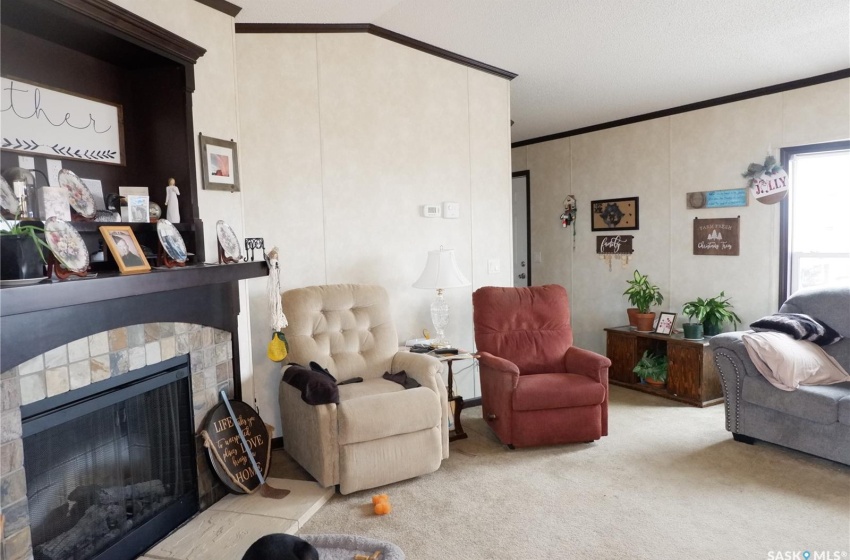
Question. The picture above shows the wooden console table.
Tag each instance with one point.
(691, 375)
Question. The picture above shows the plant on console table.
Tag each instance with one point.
(21, 255)
(642, 295)
(708, 316)
(652, 368)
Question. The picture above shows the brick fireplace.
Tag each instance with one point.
(206, 338)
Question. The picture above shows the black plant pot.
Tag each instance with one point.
(19, 258)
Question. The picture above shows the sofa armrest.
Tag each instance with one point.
(587, 363)
(733, 365)
(427, 370)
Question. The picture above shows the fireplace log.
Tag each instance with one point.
(95, 524)
(93, 494)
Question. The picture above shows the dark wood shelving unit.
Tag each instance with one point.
(691, 375)
(96, 49)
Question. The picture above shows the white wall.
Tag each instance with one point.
(659, 161)
(342, 138)
(214, 112)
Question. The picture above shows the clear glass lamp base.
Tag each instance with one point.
(440, 318)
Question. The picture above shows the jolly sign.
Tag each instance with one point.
(770, 188)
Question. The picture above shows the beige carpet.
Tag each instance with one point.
(667, 483)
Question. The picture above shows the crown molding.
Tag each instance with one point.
(372, 30)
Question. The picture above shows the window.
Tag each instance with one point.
(814, 227)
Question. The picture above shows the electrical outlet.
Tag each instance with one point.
(538, 257)
(493, 266)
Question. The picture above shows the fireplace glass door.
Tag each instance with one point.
(111, 474)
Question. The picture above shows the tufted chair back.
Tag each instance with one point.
(528, 326)
(346, 328)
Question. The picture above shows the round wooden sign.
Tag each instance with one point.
(227, 454)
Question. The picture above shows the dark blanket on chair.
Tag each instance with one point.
(316, 384)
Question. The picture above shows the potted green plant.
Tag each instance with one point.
(652, 368)
(21, 255)
(642, 295)
(709, 314)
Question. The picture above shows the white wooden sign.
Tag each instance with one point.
(770, 189)
(40, 120)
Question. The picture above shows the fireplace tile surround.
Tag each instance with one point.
(91, 359)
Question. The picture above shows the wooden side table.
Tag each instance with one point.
(455, 401)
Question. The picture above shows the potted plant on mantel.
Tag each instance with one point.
(708, 316)
(652, 368)
(642, 295)
(21, 255)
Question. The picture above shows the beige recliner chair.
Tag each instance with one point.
(379, 432)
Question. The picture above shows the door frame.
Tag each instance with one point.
(527, 175)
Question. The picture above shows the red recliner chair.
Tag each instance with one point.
(536, 387)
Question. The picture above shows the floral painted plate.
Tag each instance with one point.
(79, 194)
(8, 200)
(228, 241)
(67, 245)
(171, 240)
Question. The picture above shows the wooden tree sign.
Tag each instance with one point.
(227, 454)
(718, 236)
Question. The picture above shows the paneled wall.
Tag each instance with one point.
(660, 161)
(343, 138)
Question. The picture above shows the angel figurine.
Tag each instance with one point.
(172, 213)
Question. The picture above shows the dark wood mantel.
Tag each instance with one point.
(36, 319)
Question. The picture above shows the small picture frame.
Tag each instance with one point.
(219, 164)
(665, 323)
(614, 214)
(125, 249)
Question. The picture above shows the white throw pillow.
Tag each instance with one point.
(787, 363)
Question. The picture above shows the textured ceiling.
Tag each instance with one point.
(586, 62)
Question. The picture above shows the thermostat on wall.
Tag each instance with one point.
(431, 210)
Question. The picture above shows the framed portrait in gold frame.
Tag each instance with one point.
(125, 249)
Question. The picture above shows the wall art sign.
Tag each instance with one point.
(229, 457)
(728, 198)
(615, 213)
(717, 236)
(770, 188)
(41, 120)
(219, 164)
(614, 244)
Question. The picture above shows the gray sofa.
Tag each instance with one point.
(813, 419)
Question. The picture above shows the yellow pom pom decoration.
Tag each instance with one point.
(278, 348)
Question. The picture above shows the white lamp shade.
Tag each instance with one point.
(441, 271)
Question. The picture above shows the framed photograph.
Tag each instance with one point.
(614, 214)
(665, 323)
(125, 248)
(219, 164)
(138, 208)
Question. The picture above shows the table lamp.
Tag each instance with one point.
(441, 272)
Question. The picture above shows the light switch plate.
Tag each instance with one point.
(451, 210)
(493, 266)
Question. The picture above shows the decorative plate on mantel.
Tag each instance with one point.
(79, 194)
(67, 245)
(228, 241)
(171, 240)
(8, 200)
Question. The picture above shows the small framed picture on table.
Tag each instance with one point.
(665, 323)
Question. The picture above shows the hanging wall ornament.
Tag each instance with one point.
(278, 347)
(568, 216)
(769, 182)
